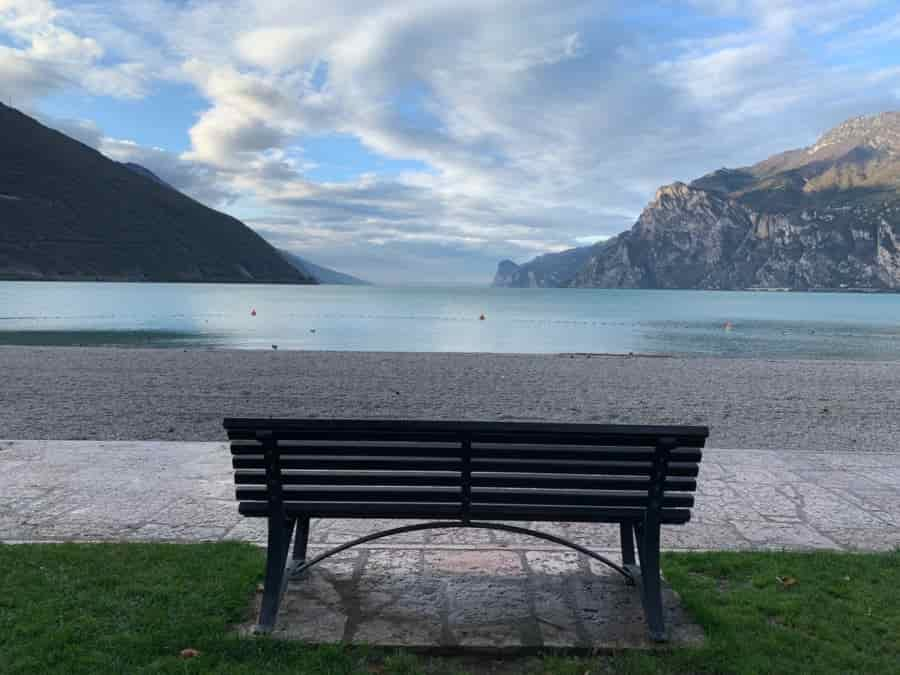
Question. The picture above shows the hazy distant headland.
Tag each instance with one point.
(324, 275)
(822, 217)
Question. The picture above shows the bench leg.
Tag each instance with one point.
(280, 532)
(627, 538)
(651, 585)
(639, 538)
(301, 540)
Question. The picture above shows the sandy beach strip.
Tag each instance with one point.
(172, 394)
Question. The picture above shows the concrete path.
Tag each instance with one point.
(448, 588)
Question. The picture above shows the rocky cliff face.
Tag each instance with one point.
(693, 238)
(827, 216)
(506, 274)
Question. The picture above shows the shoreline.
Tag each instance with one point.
(252, 282)
(125, 347)
(84, 393)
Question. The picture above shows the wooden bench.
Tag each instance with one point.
(465, 474)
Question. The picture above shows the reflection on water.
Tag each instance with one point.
(761, 325)
(107, 338)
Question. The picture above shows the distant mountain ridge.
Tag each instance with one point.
(69, 213)
(826, 216)
(551, 270)
(324, 275)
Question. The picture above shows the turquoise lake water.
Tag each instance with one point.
(763, 325)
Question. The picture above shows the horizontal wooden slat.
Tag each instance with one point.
(481, 450)
(686, 436)
(356, 510)
(350, 464)
(355, 494)
(403, 464)
(443, 494)
(359, 448)
(350, 435)
(585, 468)
(574, 498)
(555, 481)
(540, 437)
(500, 480)
(585, 514)
(481, 512)
(683, 469)
(408, 478)
(575, 452)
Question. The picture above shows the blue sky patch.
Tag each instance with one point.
(341, 158)
(161, 120)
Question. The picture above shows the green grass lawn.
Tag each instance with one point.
(129, 608)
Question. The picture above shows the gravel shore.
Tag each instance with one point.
(114, 393)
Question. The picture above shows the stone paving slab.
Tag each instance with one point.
(486, 599)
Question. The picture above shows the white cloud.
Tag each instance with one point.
(48, 56)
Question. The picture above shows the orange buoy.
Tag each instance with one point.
(252, 312)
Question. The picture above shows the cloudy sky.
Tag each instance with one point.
(426, 140)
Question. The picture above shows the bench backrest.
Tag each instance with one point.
(464, 470)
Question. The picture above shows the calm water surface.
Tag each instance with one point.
(764, 325)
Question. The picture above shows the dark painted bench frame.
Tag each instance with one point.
(670, 451)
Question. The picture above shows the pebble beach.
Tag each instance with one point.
(78, 393)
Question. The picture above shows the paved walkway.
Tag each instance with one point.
(88, 490)
(448, 588)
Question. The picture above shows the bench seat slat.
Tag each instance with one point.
(443, 494)
(576, 498)
(350, 464)
(482, 450)
(426, 510)
(355, 494)
(536, 437)
(480, 512)
(500, 480)
(577, 452)
(689, 470)
(556, 481)
(343, 448)
(573, 514)
(603, 434)
(359, 478)
(350, 435)
(571, 467)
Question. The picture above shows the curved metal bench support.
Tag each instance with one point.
(302, 566)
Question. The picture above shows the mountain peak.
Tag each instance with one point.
(880, 132)
(676, 190)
